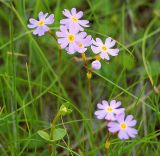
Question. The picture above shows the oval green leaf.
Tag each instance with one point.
(44, 135)
(58, 134)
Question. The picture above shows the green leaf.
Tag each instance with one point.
(43, 135)
(58, 134)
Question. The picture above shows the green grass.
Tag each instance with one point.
(34, 84)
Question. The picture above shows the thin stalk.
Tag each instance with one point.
(53, 125)
(51, 147)
(13, 92)
(107, 144)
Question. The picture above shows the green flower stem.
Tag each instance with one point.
(53, 125)
(107, 145)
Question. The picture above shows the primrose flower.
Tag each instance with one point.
(96, 65)
(124, 127)
(105, 49)
(41, 25)
(83, 41)
(109, 111)
(74, 19)
(67, 39)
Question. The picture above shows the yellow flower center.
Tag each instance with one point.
(104, 48)
(109, 109)
(123, 126)
(71, 38)
(80, 45)
(41, 23)
(74, 19)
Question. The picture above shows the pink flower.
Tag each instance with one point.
(105, 49)
(67, 39)
(74, 19)
(124, 127)
(109, 111)
(41, 25)
(96, 65)
(83, 41)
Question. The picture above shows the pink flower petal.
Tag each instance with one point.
(113, 127)
(116, 104)
(64, 45)
(113, 103)
(104, 55)
(131, 123)
(109, 42)
(64, 21)
(73, 11)
(132, 132)
(31, 26)
(50, 19)
(45, 28)
(42, 16)
(110, 117)
(123, 135)
(67, 13)
(61, 34)
(33, 21)
(119, 111)
(39, 31)
(79, 14)
(113, 52)
(84, 23)
(95, 50)
(129, 118)
(99, 112)
(120, 117)
(71, 48)
(105, 103)
(99, 41)
(100, 106)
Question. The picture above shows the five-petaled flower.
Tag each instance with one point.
(74, 20)
(41, 25)
(67, 39)
(83, 41)
(124, 127)
(105, 49)
(109, 111)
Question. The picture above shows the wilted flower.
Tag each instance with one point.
(104, 49)
(124, 127)
(96, 65)
(109, 111)
(41, 25)
(83, 41)
(67, 39)
(74, 19)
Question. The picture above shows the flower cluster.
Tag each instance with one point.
(72, 36)
(117, 122)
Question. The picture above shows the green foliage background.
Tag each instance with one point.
(34, 84)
